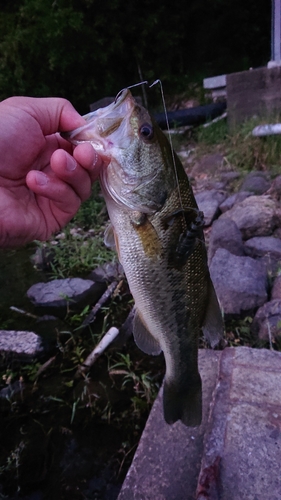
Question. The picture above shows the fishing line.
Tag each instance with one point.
(170, 138)
(145, 82)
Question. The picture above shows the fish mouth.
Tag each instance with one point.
(106, 126)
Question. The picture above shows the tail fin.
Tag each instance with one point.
(184, 405)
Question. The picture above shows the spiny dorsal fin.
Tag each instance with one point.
(143, 338)
(213, 327)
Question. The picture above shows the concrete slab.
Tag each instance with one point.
(242, 451)
(167, 462)
(253, 93)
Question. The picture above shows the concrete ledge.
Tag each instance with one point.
(168, 459)
(236, 452)
(242, 454)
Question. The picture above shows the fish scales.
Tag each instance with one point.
(150, 208)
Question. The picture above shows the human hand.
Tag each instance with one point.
(42, 179)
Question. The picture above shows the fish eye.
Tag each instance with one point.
(146, 131)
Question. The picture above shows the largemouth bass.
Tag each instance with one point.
(158, 234)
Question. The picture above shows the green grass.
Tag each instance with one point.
(80, 248)
(75, 255)
(241, 150)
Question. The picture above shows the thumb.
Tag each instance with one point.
(53, 114)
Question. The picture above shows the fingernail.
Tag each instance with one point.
(41, 178)
(70, 164)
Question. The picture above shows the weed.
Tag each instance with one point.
(76, 253)
(92, 212)
(13, 460)
(144, 386)
(238, 332)
(79, 248)
(240, 148)
(212, 135)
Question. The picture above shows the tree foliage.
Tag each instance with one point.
(86, 49)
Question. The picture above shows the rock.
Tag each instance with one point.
(276, 289)
(21, 343)
(225, 234)
(209, 164)
(209, 201)
(59, 293)
(272, 265)
(107, 273)
(167, 462)
(256, 182)
(240, 282)
(229, 176)
(255, 216)
(262, 245)
(266, 324)
(12, 389)
(275, 188)
(277, 232)
(229, 202)
(43, 258)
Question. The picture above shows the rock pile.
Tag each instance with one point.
(243, 232)
(244, 246)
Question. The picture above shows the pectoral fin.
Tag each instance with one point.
(109, 237)
(143, 337)
(111, 240)
(213, 327)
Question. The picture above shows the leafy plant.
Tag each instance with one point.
(143, 384)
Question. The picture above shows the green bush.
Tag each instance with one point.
(86, 49)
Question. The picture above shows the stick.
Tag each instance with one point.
(21, 311)
(105, 296)
(107, 339)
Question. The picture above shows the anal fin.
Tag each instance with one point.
(213, 327)
(143, 338)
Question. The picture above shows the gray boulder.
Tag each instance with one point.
(267, 321)
(107, 273)
(240, 282)
(276, 288)
(275, 188)
(62, 292)
(255, 216)
(230, 201)
(209, 201)
(262, 245)
(23, 344)
(225, 234)
(256, 182)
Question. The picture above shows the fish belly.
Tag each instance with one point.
(161, 300)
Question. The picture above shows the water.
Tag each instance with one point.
(62, 436)
(17, 274)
